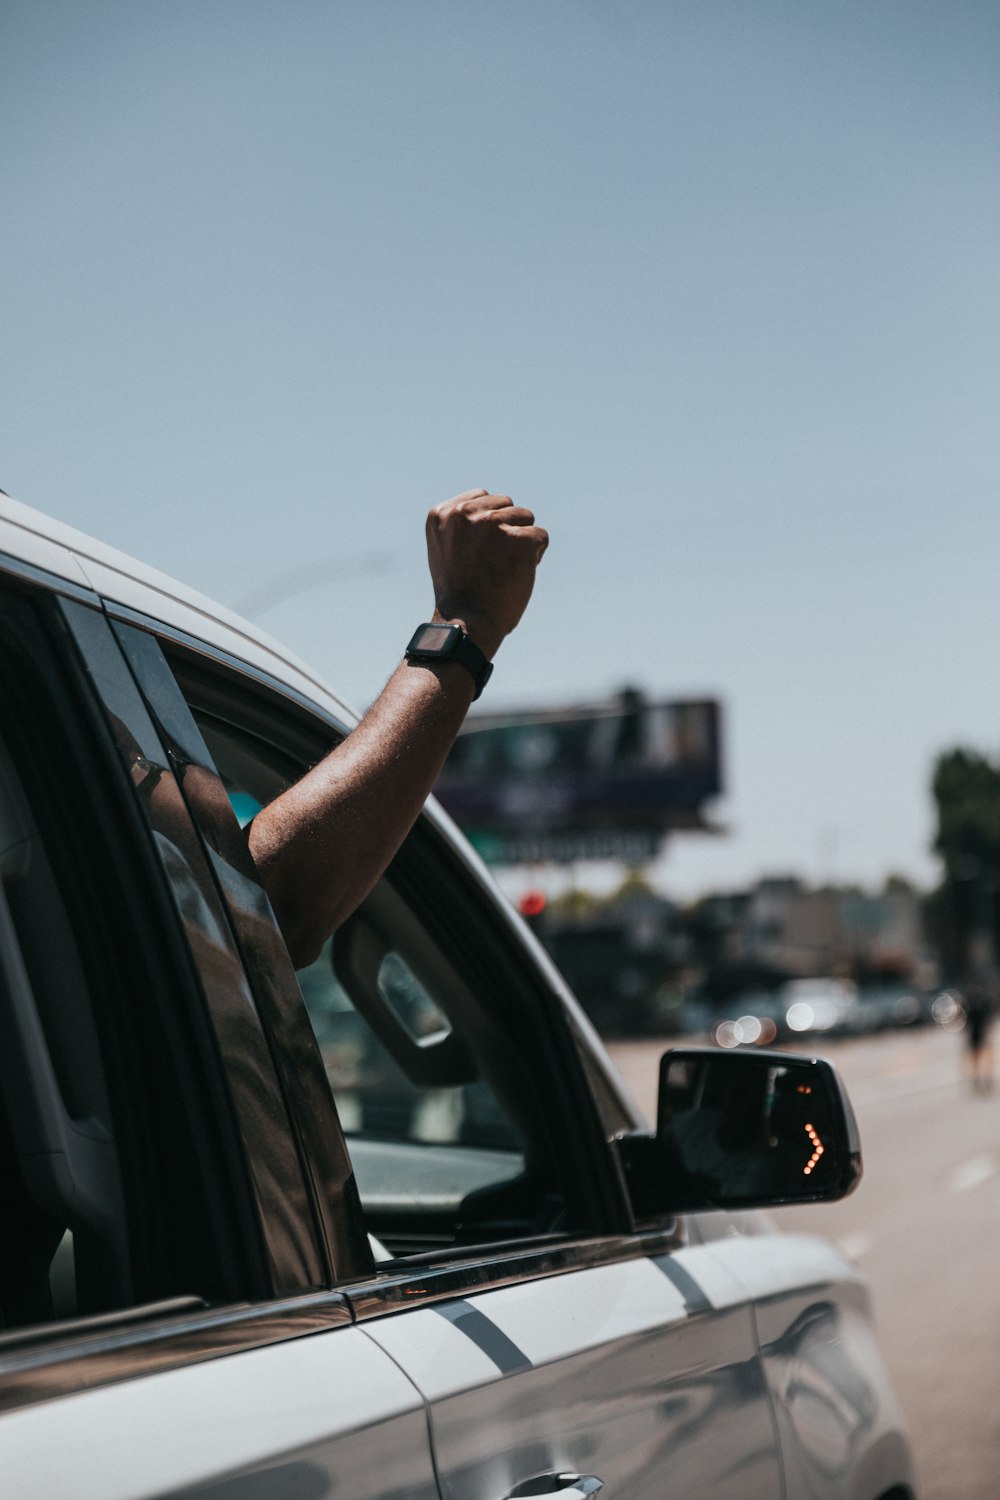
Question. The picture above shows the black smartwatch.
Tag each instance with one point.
(450, 643)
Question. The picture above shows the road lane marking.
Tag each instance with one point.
(971, 1173)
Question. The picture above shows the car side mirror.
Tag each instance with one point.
(743, 1130)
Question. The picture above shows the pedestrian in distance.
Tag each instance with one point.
(979, 1011)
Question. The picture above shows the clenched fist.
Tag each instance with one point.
(483, 551)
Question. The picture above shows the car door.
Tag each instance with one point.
(638, 1375)
(167, 1325)
(840, 1427)
(556, 1345)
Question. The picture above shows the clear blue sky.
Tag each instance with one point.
(715, 287)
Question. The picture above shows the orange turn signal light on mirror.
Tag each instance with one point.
(818, 1149)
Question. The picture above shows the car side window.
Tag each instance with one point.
(103, 1182)
(428, 1087)
(426, 1132)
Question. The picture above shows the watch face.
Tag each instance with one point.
(432, 638)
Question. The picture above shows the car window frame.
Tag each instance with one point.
(324, 1162)
(293, 1255)
(597, 1179)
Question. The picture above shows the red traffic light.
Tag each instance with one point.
(532, 903)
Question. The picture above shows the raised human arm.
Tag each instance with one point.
(322, 845)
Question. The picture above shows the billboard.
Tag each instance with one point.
(604, 776)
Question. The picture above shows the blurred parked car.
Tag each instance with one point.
(826, 1006)
(886, 1007)
(802, 1007)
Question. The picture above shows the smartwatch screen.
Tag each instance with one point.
(432, 638)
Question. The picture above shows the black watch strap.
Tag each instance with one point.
(431, 643)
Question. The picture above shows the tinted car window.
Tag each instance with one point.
(109, 1189)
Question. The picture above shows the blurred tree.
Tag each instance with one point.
(574, 905)
(633, 883)
(962, 912)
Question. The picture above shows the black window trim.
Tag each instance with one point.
(52, 583)
(286, 1235)
(324, 1161)
(426, 1279)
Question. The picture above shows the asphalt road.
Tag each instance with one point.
(924, 1225)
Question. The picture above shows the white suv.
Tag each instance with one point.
(390, 1226)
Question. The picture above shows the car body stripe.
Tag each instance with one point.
(694, 1298)
(485, 1335)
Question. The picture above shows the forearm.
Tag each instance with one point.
(322, 845)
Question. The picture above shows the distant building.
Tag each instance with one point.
(787, 925)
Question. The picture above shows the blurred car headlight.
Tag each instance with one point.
(800, 1016)
(947, 1012)
(748, 1031)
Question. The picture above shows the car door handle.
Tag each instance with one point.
(557, 1487)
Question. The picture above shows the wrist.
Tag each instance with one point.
(440, 642)
(480, 630)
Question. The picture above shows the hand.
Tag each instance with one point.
(483, 551)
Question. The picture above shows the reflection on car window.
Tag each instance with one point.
(245, 807)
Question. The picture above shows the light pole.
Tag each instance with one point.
(310, 575)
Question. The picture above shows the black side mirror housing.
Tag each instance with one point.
(743, 1130)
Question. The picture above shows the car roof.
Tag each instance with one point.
(43, 542)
